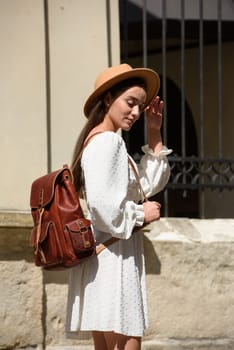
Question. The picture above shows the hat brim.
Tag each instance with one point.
(149, 76)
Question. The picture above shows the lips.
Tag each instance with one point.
(130, 121)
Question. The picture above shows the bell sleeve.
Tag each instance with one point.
(106, 174)
(154, 170)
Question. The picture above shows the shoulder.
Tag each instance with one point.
(106, 141)
(106, 149)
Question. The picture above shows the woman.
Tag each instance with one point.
(107, 293)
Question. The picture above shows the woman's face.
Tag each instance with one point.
(126, 108)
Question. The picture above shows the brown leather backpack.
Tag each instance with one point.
(62, 236)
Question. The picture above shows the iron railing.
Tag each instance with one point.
(192, 173)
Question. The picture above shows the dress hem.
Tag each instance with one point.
(77, 334)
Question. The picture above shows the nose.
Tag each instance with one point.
(136, 111)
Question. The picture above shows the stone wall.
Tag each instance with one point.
(190, 277)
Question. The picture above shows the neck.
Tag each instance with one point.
(106, 125)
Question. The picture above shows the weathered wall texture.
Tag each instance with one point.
(190, 276)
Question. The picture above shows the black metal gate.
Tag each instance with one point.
(162, 28)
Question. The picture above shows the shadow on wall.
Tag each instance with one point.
(152, 262)
(15, 246)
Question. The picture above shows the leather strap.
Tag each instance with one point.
(89, 138)
(137, 178)
(84, 145)
(105, 244)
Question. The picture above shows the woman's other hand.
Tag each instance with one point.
(151, 211)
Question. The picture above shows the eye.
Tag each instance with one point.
(131, 103)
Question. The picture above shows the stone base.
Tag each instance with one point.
(189, 344)
(168, 344)
(190, 280)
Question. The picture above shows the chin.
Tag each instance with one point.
(126, 129)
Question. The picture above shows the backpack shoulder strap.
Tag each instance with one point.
(87, 140)
(137, 178)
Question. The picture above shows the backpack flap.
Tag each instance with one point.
(42, 189)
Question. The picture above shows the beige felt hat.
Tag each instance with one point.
(114, 75)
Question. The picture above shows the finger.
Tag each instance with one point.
(157, 105)
(160, 107)
(158, 204)
(154, 102)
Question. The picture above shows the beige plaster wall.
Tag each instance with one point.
(22, 100)
(79, 50)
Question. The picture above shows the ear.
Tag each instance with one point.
(108, 99)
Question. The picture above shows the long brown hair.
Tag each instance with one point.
(95, 117)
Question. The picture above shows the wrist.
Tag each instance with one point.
(155, 144)
(154, 137)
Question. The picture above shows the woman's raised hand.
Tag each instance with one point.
(154, 114)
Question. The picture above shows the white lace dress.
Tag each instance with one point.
(108, 291)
